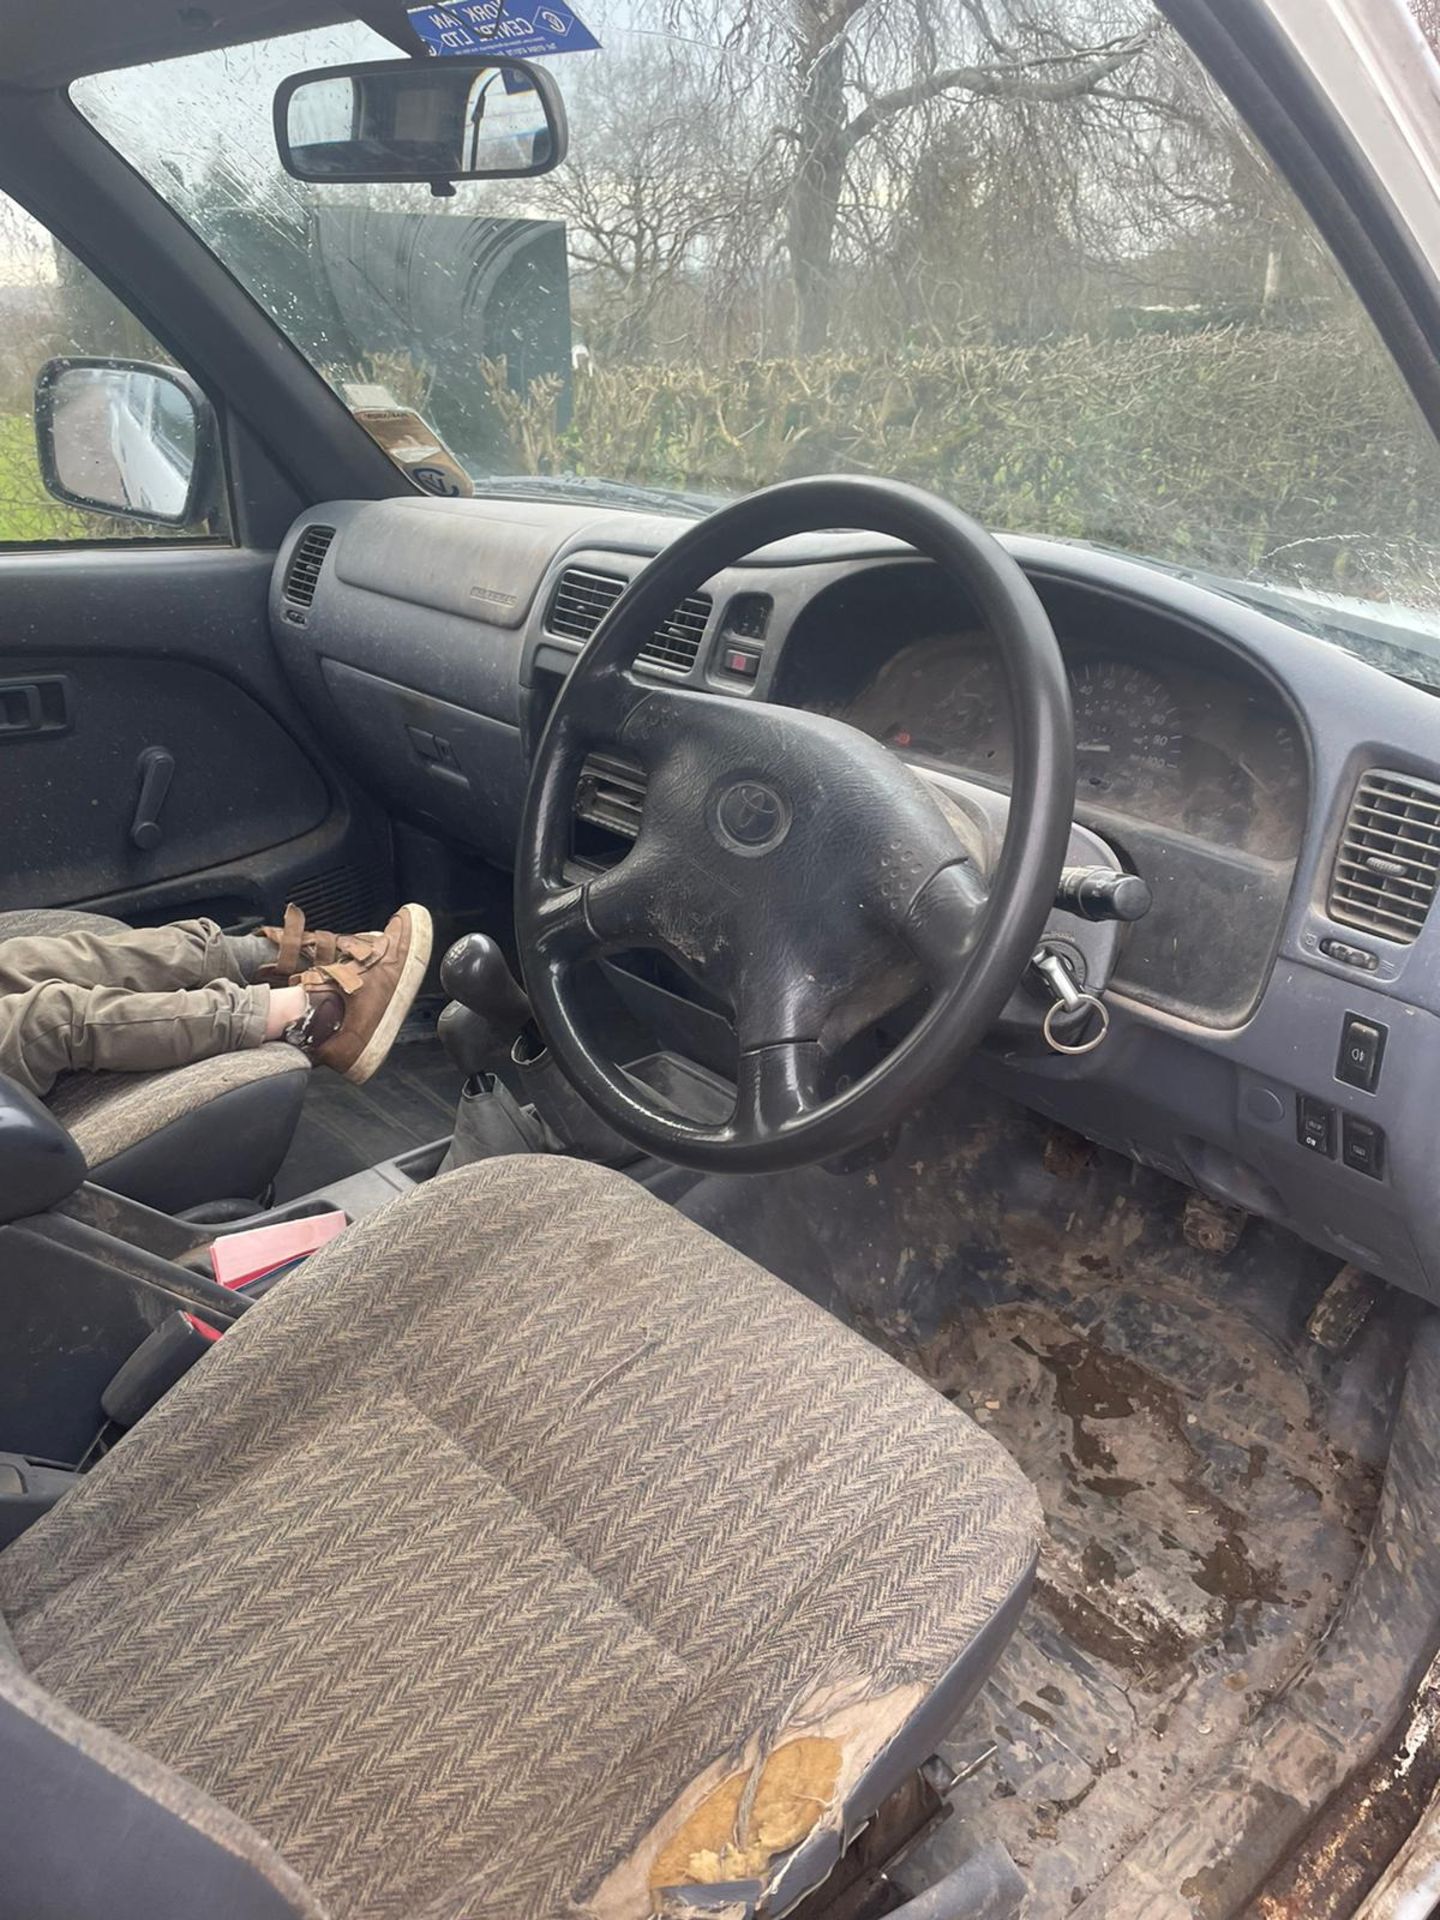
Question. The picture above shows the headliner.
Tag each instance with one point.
(48, 43)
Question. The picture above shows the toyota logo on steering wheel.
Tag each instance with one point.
(751, 816)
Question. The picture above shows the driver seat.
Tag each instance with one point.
(527, 1553)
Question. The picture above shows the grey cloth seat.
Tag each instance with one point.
(32, 922)
(528, 1552)
(217, 1129)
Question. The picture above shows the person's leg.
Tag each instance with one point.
(252, 957)
(191, 953)
(287, 1008)
(58, 1026)
(344, 1015)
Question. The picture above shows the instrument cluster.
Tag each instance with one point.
(1167, 743)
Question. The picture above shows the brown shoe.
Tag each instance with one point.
(371, 985)
(300, 950)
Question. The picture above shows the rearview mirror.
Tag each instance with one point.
(438, 120)
(123, 436)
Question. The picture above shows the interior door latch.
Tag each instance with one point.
(1068, 1002)
(156, 767)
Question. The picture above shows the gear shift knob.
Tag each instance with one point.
(489, 1006)
(477, 974)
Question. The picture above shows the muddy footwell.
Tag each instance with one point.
(1209, 1475)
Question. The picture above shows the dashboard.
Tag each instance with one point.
(1240, 765)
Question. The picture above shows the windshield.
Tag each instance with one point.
(1016, 251)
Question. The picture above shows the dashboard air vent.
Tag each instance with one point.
(302, 576)
(1388, 865)
(582, 599)
(677, 640)
(611, 793)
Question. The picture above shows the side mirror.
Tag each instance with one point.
(121, 436)
(438, 120)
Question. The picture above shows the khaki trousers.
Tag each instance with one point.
(131, 1002)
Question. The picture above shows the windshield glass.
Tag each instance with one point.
(1016, 251)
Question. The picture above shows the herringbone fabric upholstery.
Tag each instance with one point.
(108, 1112)
(483, 1536)
(111, 1112)
(25, 923)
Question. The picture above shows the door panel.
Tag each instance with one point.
(148, 675)
(220, 778)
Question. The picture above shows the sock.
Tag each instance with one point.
(250, 952)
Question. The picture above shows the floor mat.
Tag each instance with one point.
(1208, 1473)
(343, 1128)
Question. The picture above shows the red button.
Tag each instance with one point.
(739, 660)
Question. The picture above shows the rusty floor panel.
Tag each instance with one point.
(1208, 1473)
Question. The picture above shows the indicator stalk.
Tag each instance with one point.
(1102, 893)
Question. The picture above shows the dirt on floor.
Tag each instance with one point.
(1208, 1472)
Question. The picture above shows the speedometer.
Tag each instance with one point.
(1128, 735)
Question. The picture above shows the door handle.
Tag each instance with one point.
(41, 705)
(156, 767)
(19, 707)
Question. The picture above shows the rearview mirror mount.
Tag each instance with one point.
(439, 120)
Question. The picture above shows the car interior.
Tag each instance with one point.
(881, 1355)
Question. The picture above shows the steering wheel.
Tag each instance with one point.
(786, 861)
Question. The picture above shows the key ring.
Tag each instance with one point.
(1096, 1005)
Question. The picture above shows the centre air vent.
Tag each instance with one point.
(302, 576)
(582, 599)
(1388, 865)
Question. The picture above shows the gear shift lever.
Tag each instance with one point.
(488, 1009)
(487, 1013)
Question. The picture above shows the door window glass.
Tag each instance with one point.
(53, 307)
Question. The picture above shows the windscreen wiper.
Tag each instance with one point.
(613, 493)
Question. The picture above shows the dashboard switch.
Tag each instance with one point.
(1315, 1125)
(1362, 1048)
(742, 660)
(1349, 956)
(1364, 1147)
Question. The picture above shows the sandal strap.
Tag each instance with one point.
(287, 940)
(348, 975)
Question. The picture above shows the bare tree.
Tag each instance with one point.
(846, 75)
(655, 196)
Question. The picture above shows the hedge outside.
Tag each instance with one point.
(1290, 455)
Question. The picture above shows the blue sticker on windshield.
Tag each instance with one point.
(516, 27)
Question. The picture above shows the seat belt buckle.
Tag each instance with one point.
(162, 1357)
